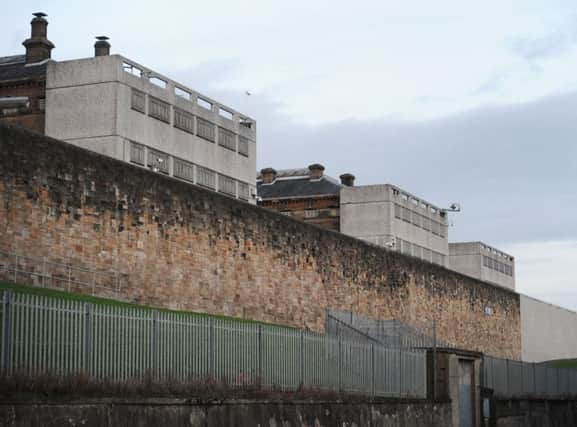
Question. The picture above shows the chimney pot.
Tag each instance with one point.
(268, 175)
(348, 179)
(38, 47)
(316, 171)
(102, 46)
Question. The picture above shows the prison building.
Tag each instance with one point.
(483, 262)
(307, 194)
(114, 106)
(391, 217)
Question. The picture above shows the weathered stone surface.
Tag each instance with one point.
(177, 413)
(187, 248)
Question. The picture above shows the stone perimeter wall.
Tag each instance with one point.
(187, 248)
(181, 412)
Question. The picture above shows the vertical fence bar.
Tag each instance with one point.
(372, 370)
(6, 341)
(259, 355)
(339, 365)
(88, 339)
(211, 356)
(302, 360)
(434, 359)
(154, 345)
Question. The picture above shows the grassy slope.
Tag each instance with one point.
(53, 293)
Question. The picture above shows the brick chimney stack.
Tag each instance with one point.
(268, 175)
(102, 46)
(316, 171)
(348, 179)
(38, 47)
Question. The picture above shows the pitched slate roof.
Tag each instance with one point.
(293, 183)
(14, 69)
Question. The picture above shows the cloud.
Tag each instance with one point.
(553, 43)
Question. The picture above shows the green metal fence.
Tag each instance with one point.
(47, 335)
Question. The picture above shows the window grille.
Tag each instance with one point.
(397, 211)
(184, 170)
(137, 153)
(138, 101)
(157, 161)
(243, 146)
(206, 177)
(426, 223)
(227, 185)
(406, 214)
(183, 120)
(158, 109)
(226, 139)
(205, 129)
(243, 191)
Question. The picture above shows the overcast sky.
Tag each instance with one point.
(455, 101)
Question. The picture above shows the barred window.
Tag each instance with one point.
(243, 191)
(311, 213)
(415, 218)
(205, 129)
(406, 214)
(398, 244)
(137, 153)
(397, 211)
(138, 101)
(206, 177)
(227, 185)
(243, 146)
(426, 223)
(158, 161)
(158, 109)
(427, 254)
(183, 120)
(183, 169)
(226, 139)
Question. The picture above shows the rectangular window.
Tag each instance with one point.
(138, 101)
(205, 129)
(427, 254)
(206, 177)
(183, 170)
(398, 244)
(311, 213)
(415, 219)
(397, 211)
(201, 102)
(426, 223)
(137, 153)
(243, 191)
(157, 161)
(227, 185)
(158, 109)
(226, 139)
(183, 120)
(243, 146)
(225, 113)
(406, 215)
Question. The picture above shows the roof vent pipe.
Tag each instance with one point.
(347, 179)
(102, 46)
(38, 47)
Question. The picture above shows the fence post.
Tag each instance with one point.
(6, 338)
(211, 358)
(534, 379)
(507, 374)
(259, 353)
(373, 370)
(339, 365)
(88, 339)
(154, 345)
(302, 359)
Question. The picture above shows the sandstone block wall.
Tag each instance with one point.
(186, 248)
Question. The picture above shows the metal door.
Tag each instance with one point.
(465, 393)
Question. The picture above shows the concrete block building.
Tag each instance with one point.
(119, 108)
(389, 216)
(481, 261)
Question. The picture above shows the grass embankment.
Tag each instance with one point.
(566, 364)
(70, 296)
